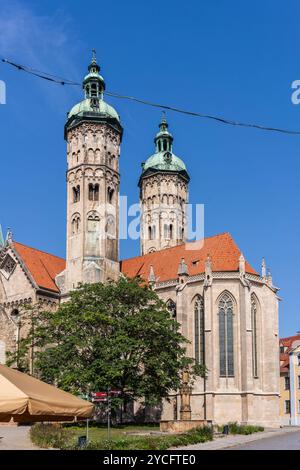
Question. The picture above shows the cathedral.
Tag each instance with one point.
(226, 309)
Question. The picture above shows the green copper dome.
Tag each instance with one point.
(85, 106)
(164, 159)
(93, 106)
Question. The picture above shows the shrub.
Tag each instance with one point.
(193, 436)
(235, 428)
(51, 435)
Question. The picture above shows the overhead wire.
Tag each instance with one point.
(223, 120)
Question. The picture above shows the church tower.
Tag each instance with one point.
(163, 195)
(93, 133)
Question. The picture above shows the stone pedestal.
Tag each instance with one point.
(179, 426)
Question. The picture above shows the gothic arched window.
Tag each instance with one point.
(226, 335)
(254, 335)
(199, 330)
(171, 306)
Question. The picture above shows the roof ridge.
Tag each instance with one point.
(41, 251)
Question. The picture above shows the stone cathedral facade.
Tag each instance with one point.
(227, 309)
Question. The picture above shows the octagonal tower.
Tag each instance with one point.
(163, 195)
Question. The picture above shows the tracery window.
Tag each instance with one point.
(199, 330)
(8, 264)
(226, 336)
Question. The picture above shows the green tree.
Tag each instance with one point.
(117, 335)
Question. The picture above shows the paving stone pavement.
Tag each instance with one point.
(16, 438)
(228, 442)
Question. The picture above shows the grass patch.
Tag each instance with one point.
(66, 437)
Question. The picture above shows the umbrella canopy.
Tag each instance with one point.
(25, 398)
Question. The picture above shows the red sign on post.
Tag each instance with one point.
(103, 396)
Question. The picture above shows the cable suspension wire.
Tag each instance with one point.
(63, 81)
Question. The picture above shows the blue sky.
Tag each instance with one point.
(229, 58)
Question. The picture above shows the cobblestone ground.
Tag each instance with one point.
(15, 438)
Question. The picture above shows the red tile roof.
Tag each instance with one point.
(43, 267)
(288, 343)
(222, 250)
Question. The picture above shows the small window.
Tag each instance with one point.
(287, 406)
(298, 406)
(153, 232)
(299, 381)
(76, 193)
(286, 383)
(171, 231)
(298, 359)
(150, 233)
(94, 90)
(93, 192)
(75, 224)
(110, 195)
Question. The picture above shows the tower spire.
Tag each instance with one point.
(164, 139)
(93, 83)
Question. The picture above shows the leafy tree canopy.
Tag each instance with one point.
(118, 335)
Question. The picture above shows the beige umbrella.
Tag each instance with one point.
(25, 398)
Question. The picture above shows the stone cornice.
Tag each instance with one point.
(216, 275)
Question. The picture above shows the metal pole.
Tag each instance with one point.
(108, 413)
(87, 431)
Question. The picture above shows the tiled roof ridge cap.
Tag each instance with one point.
(37, 249)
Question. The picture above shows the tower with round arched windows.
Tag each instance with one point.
(93, 133)
(163, 195)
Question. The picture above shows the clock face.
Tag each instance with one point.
(168, 157)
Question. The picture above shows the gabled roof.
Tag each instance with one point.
(221, 249)
(42, 266)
